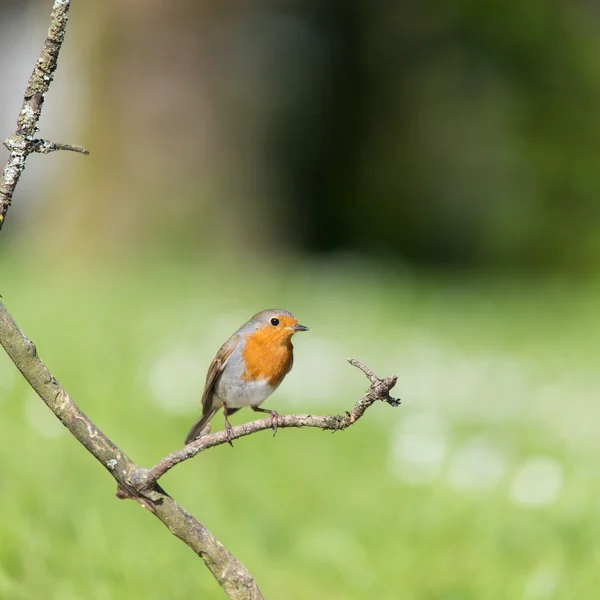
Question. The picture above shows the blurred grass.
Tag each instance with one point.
(483, 484)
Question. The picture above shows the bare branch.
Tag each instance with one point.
(379, 390)
(140, 484)
(21, 144)
(229, 572)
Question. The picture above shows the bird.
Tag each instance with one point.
(248, 368)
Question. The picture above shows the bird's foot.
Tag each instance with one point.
(228, 429)
(274, 417)
(274, 421)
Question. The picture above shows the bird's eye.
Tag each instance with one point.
(274, 322)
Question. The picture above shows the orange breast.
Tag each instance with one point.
(267, 356)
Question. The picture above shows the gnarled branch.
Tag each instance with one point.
(139, 483)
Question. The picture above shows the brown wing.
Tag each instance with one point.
(215, 369)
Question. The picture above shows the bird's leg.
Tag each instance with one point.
(274, 416)
(228, 426)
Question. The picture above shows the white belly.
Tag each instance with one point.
(240, 393)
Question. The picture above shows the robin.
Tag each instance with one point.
(248, 368)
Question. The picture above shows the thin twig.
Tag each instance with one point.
(370, 375)
(379, 390)
(46, 146)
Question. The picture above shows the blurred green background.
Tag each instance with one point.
(417, 182)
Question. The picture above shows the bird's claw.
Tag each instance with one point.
(274, 420)
(228, 429)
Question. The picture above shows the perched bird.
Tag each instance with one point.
(248, 368)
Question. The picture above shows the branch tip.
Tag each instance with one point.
(370, 375)
(46, 146)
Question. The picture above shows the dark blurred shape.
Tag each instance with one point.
(450, 133)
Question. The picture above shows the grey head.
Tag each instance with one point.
(273, 317)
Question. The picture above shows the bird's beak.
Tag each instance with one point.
(298, 327)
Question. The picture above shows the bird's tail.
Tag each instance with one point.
(198, 429)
